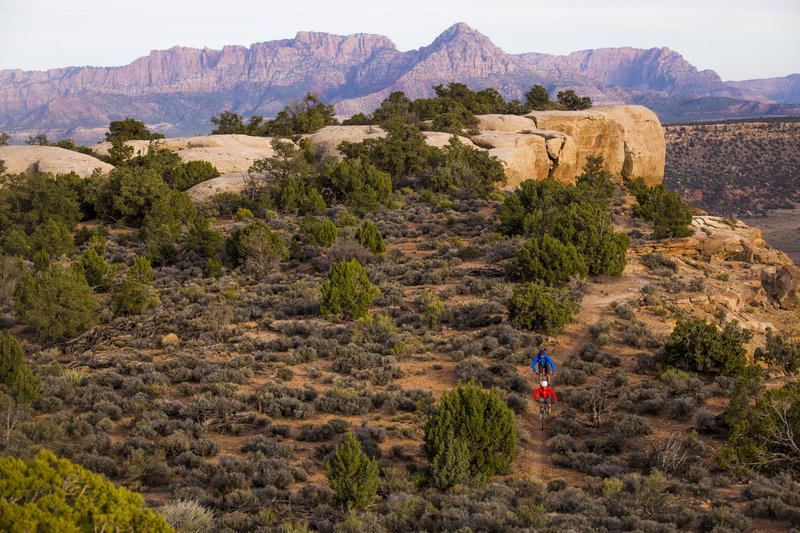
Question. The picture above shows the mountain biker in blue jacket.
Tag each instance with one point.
(544, 364)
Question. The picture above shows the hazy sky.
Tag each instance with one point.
(740, 39)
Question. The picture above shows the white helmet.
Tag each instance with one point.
(544, 383)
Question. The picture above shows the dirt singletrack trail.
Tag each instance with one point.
(534, 456)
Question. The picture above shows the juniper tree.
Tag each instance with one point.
(480, 419)
(369, 236)
(353, 475)
(348, 291)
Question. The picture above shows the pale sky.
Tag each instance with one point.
(740, 39)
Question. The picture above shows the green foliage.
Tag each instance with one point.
(572, 101)
(480, 420)
(347, 292)
(52, 237)
(4, 137)
(464, 168)
(538, 97)
(695, 344)
(433, 309)
(574, 215)
(14, 373)
(353, 476)
(767, 435)
(95, 269)
(40, 139)
(290, 175)
(257, 244)
(129, 130)
(323, 233)
(57, 302)
(360, 186)
(543, 310)
(69, 144)
(213, 268)
(15, 242)
(228, 123)
(127, 194)
(369, 236)
(451, 465)
(203, 239)
(402, 153)
(29, 200)
(163, 224)
(670, 215)
(306, 115)
(134, 294)
(186, 175)
(41, 260)
(549, 261)
(119, 153)
(780, 352)
(54, 495)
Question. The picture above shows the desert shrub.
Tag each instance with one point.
(671, 216)
(57, 302)
(52, 237)
(724, 518)
(353, 476)
(322, 233)
(14, 373)
(257, 246)
(369, 236)
(357, 184)
(184, 176)
(202, 239)
(57, 494)
(549, 261)
(538, 309)
(644, 399)
(780, 352)
(95, 269)
(205, 447)
(765, 435)
(656, 261)
(632, 426)
(348, 292)
(134, 294)
(187, 516)
(698, 345)
(478, 418)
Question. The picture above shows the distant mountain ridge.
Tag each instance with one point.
(178, 90)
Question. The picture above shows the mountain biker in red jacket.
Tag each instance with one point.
(543, 394)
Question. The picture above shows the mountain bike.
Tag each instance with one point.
(544, 412)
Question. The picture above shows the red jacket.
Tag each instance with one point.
(544, 392)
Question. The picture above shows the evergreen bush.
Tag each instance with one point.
(14, 373)
(537, 309)
(482, 422)
(369, 236)
(348, 291)
(353, 476)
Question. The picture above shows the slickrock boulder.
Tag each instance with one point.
(234, 182)
(49, 159)
(629, 138)
(783, 284)
(721, 239)
(229, 153)
(328, 138)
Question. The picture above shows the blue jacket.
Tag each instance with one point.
(543, 360)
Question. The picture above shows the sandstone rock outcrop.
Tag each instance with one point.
(558, 143)
(49, 159)
(718, 239)
(234, 182)
(783, 284)
(229, 153)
